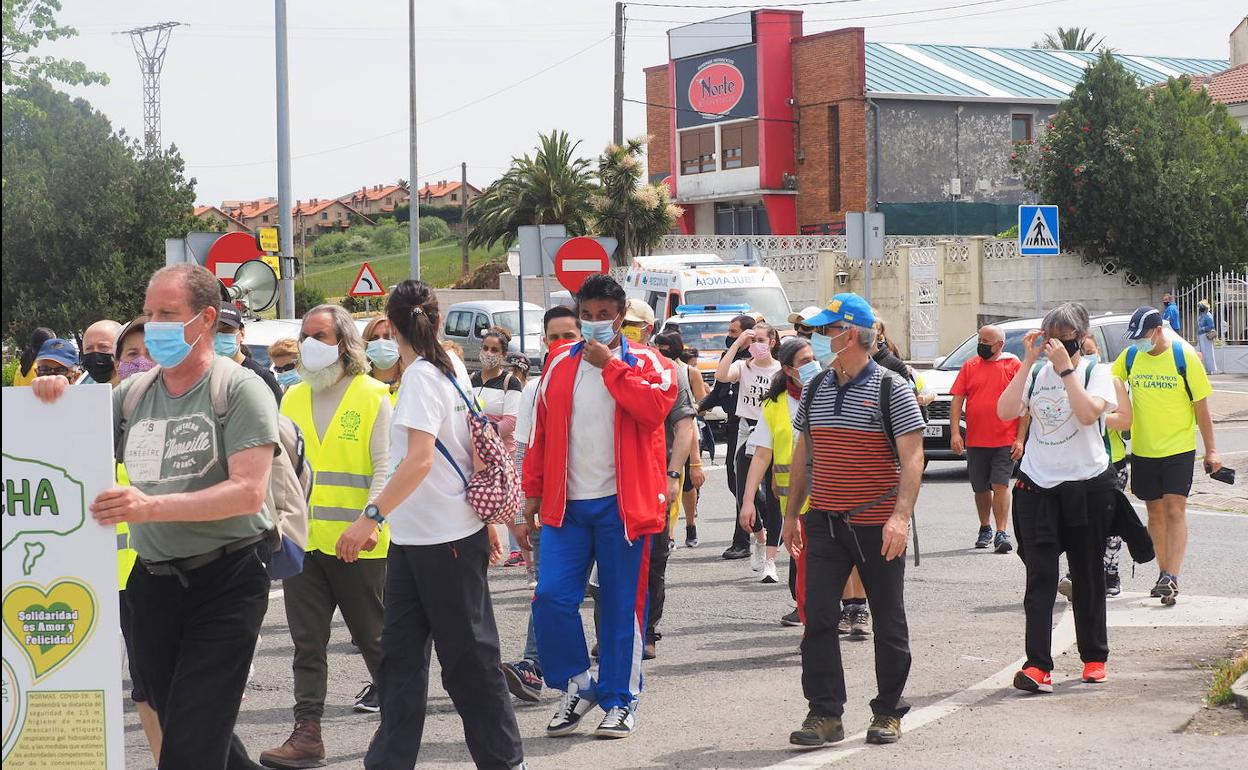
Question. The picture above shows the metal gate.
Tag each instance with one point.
(924, 304)
(1227, 291)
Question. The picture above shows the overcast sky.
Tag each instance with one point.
(491, 73)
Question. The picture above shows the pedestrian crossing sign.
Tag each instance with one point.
(1038, 233)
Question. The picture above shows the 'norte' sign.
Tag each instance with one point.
(715, 87)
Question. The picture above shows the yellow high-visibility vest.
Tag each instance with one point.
(776, 415)
(341, 461)
(126, 556)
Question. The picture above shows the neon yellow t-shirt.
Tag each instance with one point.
(1163, 422)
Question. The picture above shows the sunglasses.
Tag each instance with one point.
(49, 371)
(285, 368)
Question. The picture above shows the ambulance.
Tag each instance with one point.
(668, 281)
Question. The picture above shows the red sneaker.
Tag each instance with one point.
(1033, 679)
(515, 560)
(1094, 673)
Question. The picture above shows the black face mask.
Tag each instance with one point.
(730, 341)
(99, 366)
(1072, 346)
(984, 351)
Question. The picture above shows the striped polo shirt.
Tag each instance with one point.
(852, 461)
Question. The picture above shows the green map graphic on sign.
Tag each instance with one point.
(39, 499)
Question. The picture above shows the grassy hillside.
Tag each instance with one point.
(439, 266)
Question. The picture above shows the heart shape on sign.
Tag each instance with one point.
(49, 624)
(1050, 413)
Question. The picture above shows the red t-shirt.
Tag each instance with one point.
(982, 383)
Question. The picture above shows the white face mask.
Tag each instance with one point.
(315, 355)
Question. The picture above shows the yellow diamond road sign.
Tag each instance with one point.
(268, 239)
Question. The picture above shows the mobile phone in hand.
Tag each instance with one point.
(1224, 474)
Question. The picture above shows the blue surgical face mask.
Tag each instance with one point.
(226, 344)
(383, 353)
(166, 341)
(821, 344)
(603, 331)
(287, 378)
(1092, 358)
(1144, 346)
(807, 371)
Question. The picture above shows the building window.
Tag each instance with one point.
(454, 196)
(264, 218)
(741, 220)
(324, 215)
(739, 143)
(697, 151)
(1020, 127)
(834, 158)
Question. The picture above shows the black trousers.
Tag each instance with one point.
(730, 436)
(439, 595)
(1085, 554)
(833, 549)
(193, 645)
(766, 505)
(658, 583)
(311, 596)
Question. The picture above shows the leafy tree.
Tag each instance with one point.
(636, 214)
(27, 23)
(433, 229)
(1153, 179)
(85, 213)
(1071, 39)
(552, 187)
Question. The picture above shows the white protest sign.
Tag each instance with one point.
(62, 641)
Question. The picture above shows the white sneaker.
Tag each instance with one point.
(757, 556)
(769, 572)
(618, 723)
(572, 706)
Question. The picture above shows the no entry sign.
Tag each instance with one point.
(578, 259)
(228, 253)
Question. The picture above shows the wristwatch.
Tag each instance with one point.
(673, 474)
(1066, 372)
(374, 513)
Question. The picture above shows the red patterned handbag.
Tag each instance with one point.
(493, 491)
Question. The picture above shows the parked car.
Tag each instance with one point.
(1108, 330)
(467, 321)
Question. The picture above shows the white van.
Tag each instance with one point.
(668, 281)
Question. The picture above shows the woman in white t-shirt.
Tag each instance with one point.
(436, 586)
(1065, 497)
(496, 388)
(754, 375)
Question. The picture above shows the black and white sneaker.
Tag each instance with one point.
(367, 701)
(984, 539)
(691, 537)
(1168, 589)
(572, 706)
(1113, 584)
(791, 620)
(618, 723)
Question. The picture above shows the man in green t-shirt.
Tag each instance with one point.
(1167, 406)
(196, 511)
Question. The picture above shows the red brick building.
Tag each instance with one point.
(759, 129)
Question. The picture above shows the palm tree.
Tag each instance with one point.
(635, 214)
(1071, 39)
(552, 187)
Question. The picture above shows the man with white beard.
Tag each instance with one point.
(345, 418)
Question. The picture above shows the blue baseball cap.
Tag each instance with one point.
(1143, 321)
(61, 351)
(847, 307)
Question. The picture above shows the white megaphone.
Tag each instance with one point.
(255, 286)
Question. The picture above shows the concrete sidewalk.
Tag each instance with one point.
(1229, 400)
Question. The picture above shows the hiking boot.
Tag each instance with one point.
(1032, 679)
(1094, 673)
(792, 619)
(884, 729)
(984, 539)
(691, 537)
(1065, 587)
(302, 749)
(818, 729)
(859, 621)
(1168, 589)
(845, 624)
(737, 552)
(572, 706)
(1113, 584)
(523, 680)
(368, 700)
(618, 723)
(1001, 542)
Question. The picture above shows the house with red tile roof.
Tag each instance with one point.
(447, 194)
(220, 219)
(261, 212)
(324, 215)
(377, 199)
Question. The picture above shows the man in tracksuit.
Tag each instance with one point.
(601, 408)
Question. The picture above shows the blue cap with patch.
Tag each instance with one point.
(847, 307)
(62, 352)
